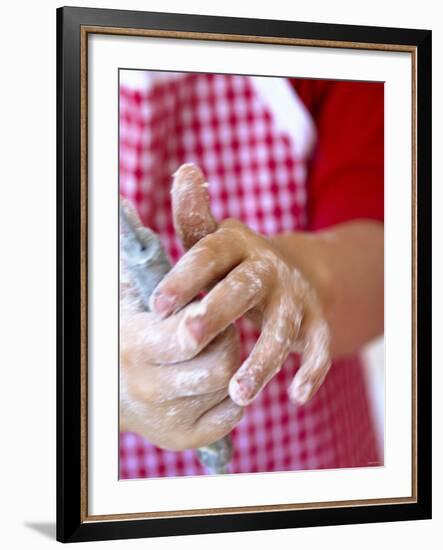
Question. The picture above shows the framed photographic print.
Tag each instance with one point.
(244, 274)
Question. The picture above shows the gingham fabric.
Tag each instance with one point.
(256, 174)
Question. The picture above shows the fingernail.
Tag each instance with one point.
(242, 390)
(300, 392)
(163, 304)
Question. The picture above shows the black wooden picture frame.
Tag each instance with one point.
(73, 25)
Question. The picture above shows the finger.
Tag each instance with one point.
(176, 423)
(210, 259)
(130, 301)
(146, 339)
(129, 213)
(191, 211)
(316, 361)
(216, 423)
(185, 411)
(206, 373)
(267, 357)
(242, 289)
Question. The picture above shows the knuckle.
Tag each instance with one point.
(173, 427)
(145, 391)
(204, 254)
(205, 246)
(176, 443)
(187, 438)
(232, 223)
(266, 266)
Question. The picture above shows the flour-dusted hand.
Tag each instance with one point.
(171, 391)
(175, 403)
(246, 274)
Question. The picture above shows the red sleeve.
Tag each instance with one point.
(346, 172)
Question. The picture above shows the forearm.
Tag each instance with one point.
(345, 265)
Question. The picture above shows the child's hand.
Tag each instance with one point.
(174, 400)
(250, 276)
(169, 392)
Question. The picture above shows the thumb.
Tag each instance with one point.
(191, 211)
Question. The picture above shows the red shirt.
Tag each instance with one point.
(346, 172)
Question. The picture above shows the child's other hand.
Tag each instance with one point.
(172, 393)
(173, 398)
(246, 275)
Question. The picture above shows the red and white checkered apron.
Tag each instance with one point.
(220, 123)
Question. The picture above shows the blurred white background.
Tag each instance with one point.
(374, 357)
